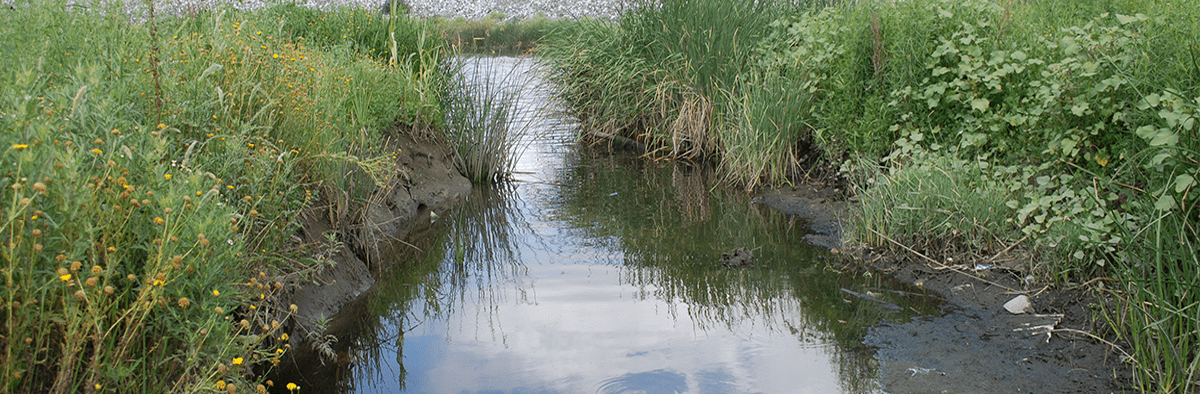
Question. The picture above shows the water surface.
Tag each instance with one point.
(600, 273)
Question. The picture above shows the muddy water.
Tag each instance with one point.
(601, 273)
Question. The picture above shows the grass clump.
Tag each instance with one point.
(664, 75)
(152, 171)
(484, 120)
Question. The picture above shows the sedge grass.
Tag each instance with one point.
(484, 120)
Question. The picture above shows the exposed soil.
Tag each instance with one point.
(372, 231)
(975, 346)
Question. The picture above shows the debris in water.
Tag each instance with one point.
(872, 297)
(738, 258)
(919, 370)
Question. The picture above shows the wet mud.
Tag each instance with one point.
(975, 345)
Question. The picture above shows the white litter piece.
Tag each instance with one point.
(919, 370)
(1018, 305)
(1047, 327)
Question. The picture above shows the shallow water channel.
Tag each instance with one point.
(600, 273)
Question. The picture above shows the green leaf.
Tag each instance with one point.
(1183, 182)
(1018, 56)
(1164, 137)
(1158, 159)
(1125, 19)
(1068, 146)
(1015, 120)
(1080, 109)
(1150, 100)
(1069, 46)
(1171, 117)
(1165, 203)
(980, 104)
(1146, 132)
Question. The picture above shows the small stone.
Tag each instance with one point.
(1018, 305)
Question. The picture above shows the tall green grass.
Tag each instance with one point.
(1157, 308)
(485, 122)
(664, 74)
(153, 171)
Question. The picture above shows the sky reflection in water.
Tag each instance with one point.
(595, 273)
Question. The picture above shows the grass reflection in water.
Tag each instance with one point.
(659, 229)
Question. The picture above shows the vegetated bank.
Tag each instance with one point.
(497, 35)
(157, 171)
(1058, 136)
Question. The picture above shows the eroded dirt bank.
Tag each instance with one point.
(370, 232)
(975, 346)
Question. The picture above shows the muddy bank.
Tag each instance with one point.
(371, 231)
(975, 346)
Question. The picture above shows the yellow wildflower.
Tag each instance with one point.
(237, 361)
(20, 146)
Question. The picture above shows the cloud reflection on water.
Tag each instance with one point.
(597, 273)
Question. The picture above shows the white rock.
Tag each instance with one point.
(1018, 305)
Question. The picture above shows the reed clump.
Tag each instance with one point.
(485, 121)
